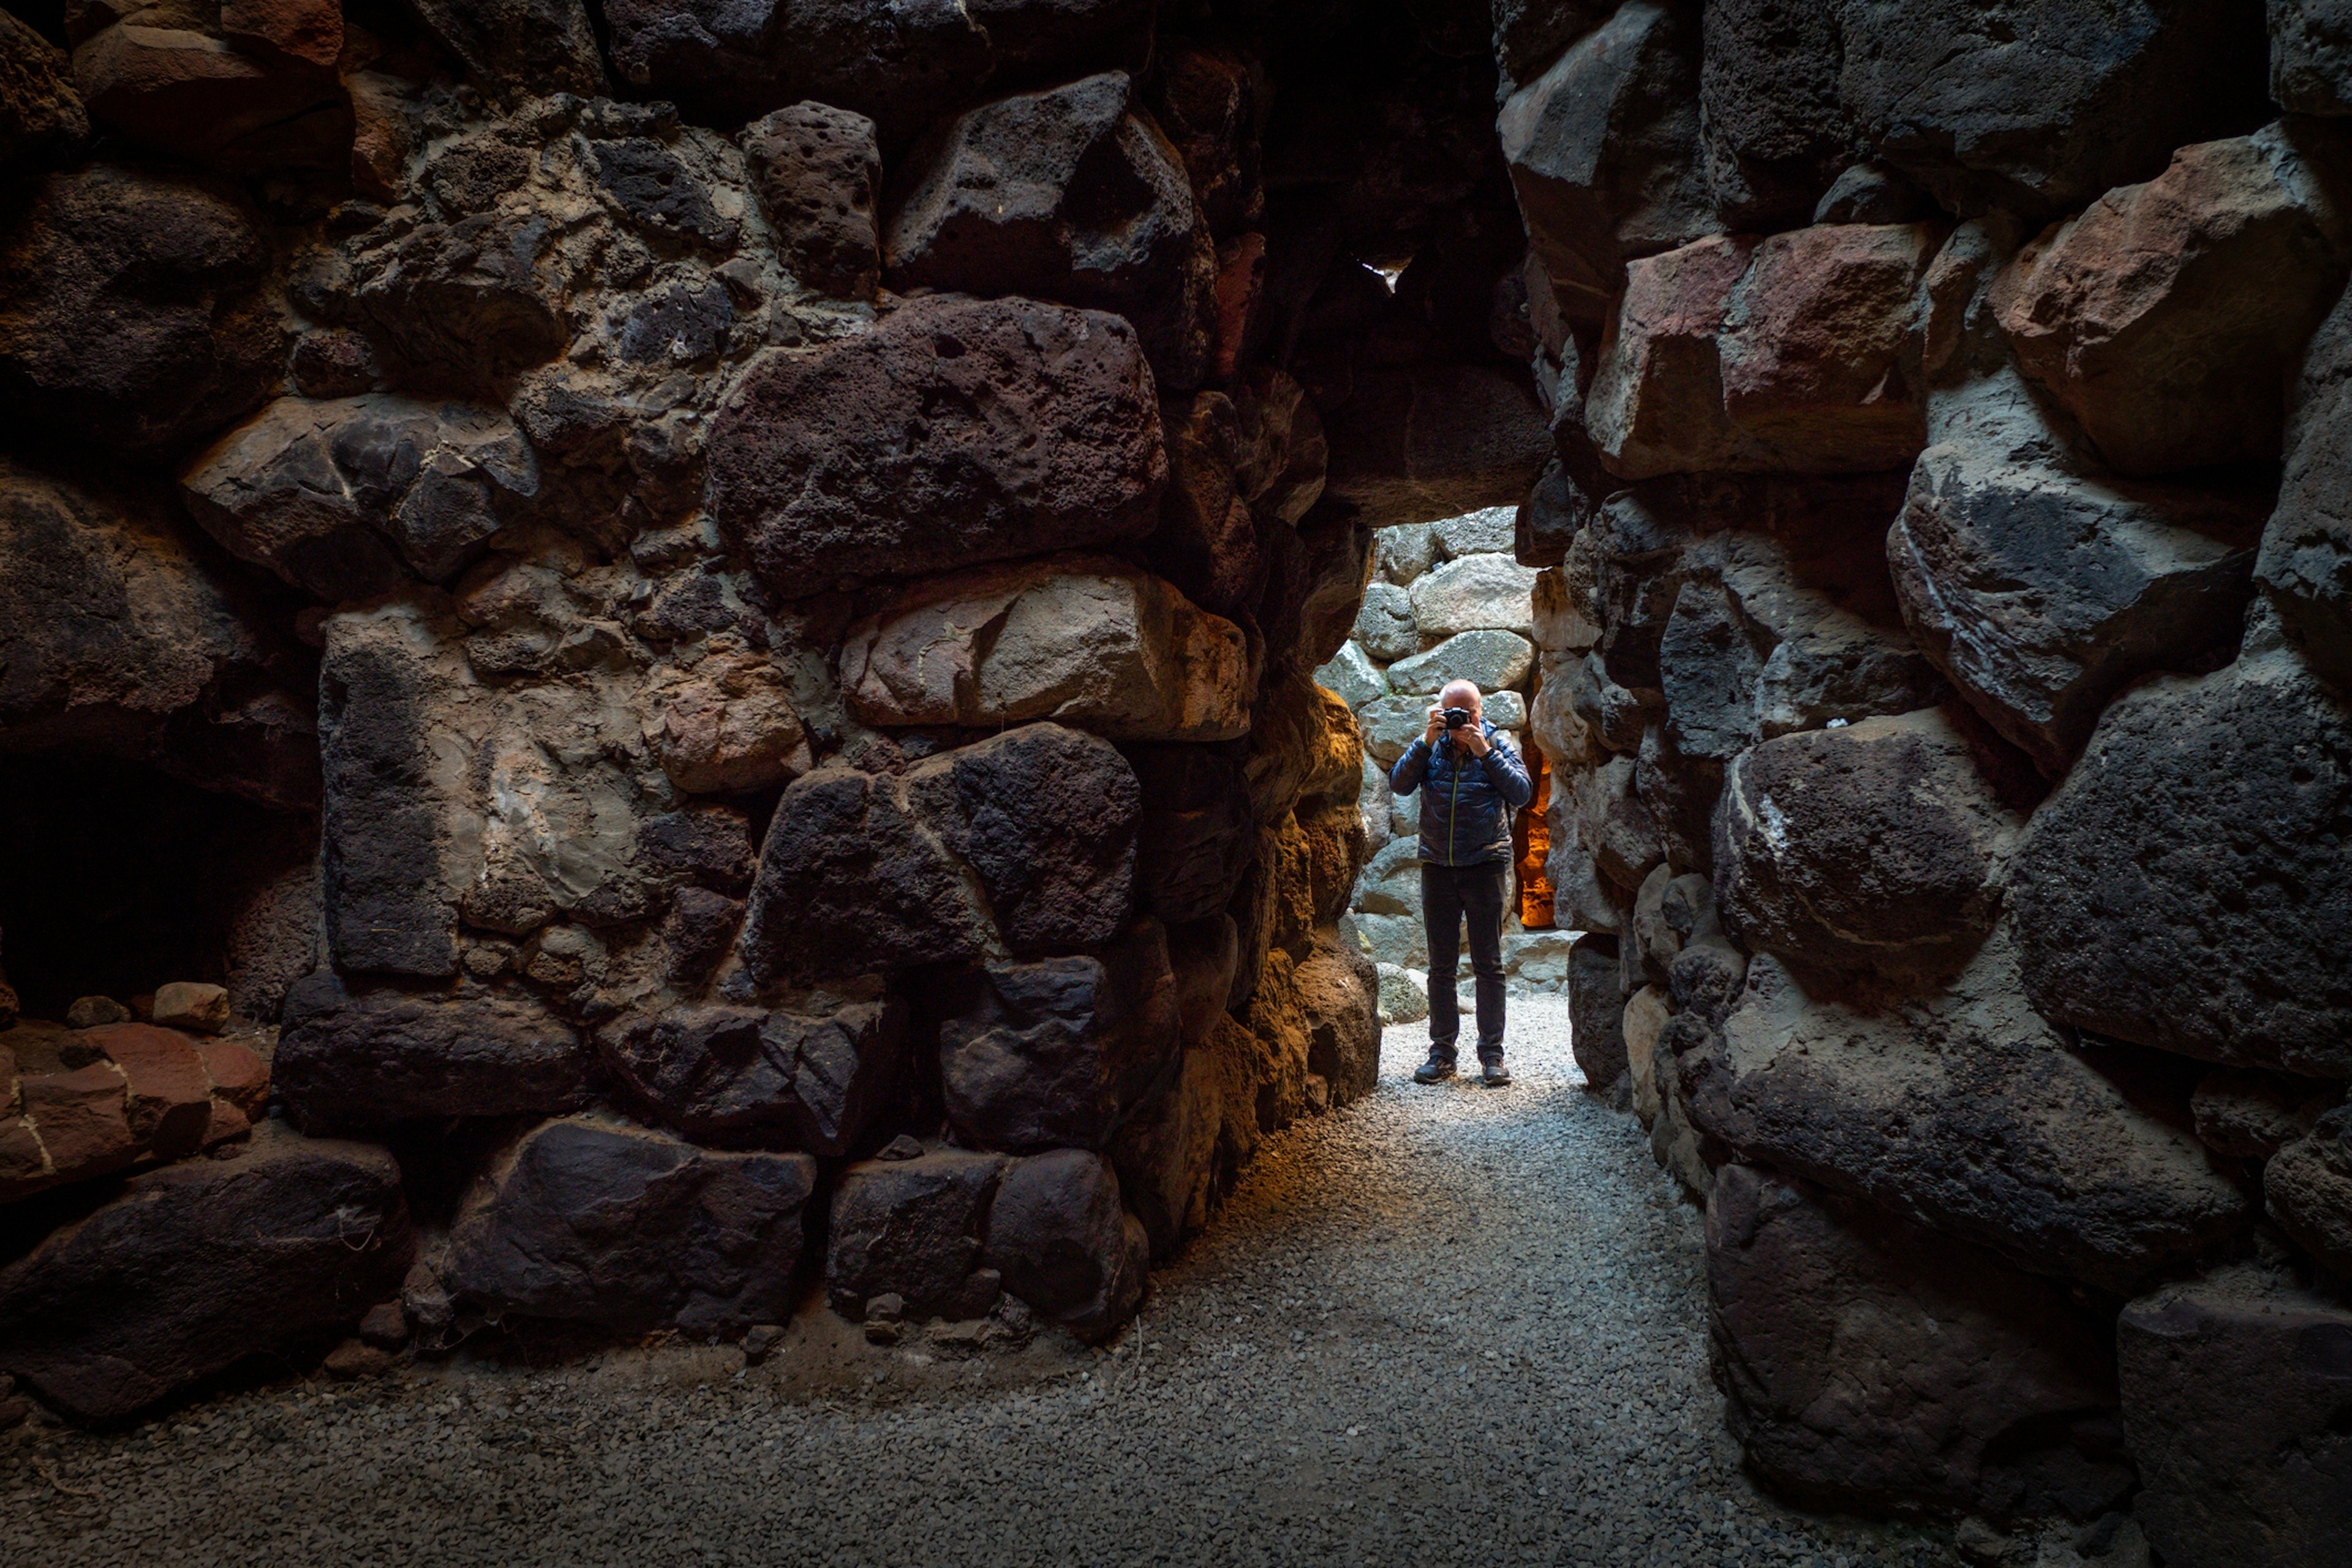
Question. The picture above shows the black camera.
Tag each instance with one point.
(1456, 718)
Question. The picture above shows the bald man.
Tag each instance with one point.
(1470, 782)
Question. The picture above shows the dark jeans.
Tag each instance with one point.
(1447, 894)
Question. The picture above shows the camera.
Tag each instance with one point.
(1456, 718)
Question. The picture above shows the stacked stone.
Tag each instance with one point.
(1953, 726)
(1446, 603)
(782, 555)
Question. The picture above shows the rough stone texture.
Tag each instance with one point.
(1474, 593)
(1432, 440)
(347, 498)
(2042, 594)
(350, 1059)
(291, 1240)
(1774, 133)
(814, 1074)
(1065, 195)
(2308, 1185)
(2251, 1114)
(1596, 999)
(130, 312)
(77, 1104)
(2197, 824)
(1057, 1234)
(1962, 1111)
(39, 106)
(2166, 318)
(1085, 640)
(913, 1228)
(728, 726)
(237, 87)
(2233, 1393)
(1056, 1052)
(819, 178)
(594, 1221)
(2040, 105)
(2311, 57)
(120, 634)
(1869, 1364)
(1875, 846)
(956, 431)
(538, 45)
(1603, 152)
(2306, 563)
(1489, 660)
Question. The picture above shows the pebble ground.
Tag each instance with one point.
(1447, 1326)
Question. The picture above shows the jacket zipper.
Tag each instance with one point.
(1453, 807)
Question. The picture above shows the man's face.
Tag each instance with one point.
(1465, 696)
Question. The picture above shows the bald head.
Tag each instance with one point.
(1463, 694)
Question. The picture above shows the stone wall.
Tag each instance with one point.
(761, 570)
(1446, 603)
(1942, 637)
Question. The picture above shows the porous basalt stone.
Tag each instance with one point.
(819, 175)
(914, 1228)
(1060, 1238)
(807, 1076)
(350, 1059)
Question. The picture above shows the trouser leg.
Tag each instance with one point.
(1482, 900)
(1441, 918)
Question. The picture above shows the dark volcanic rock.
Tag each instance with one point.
(2251, 1115)
(2042, 594)
(956, 431)
(2234, 1390)
(462, 307)
(1868, 1363)
(2308, 1185)
(1058, 1051)
(1604, 155)
(338, 496)
(1774, 132)
(1962, 1111)
(599, 1222)
(1057, 1234)
(1434, 441)
(811, 1077)
(2311, 56)
(2038, 106)
(1065, 195)
(850, 882)
(914, 1228)
(130, 308)
(118, 634)
(818, 175)
(349, 1060)
(1596, 1002)
(1047, 816)
(2186, 886)
(1197, 832)
(39, 106)
(1875, 846)
(533, 45)
(2306, 565)
(198, 1266)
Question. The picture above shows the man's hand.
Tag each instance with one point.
(1436, 728)
(1473, 735)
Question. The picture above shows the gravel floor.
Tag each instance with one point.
(1446, 1326)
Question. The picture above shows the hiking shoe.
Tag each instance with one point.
(1436, 1070)
(1494, 1074)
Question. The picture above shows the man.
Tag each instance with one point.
(1470, 782)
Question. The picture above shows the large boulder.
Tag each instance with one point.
(2180, 888)
(2042, 594)
(1058, 1236)
(243, 87)
(818, 175)
(1167, 1152)
(1774, 133)
(2166, 318)
(132, 312)
(1432, 439)
(2233, 1390)
(914, 1229)
(1603, 152)
(2311, 57)
(120, 633)
(1058, 1052)
(1596, 1009)
(350, 1059)
(1474, 593)
(344, 498)
(1489, 660)
(956, 431)
(1339, 993)
(591, 1220)
(1962, 1111)
(1784, 354)
(1875, 846)
(814, 1074)
(1063, 195)
(2308, 1187)
(532, 46)
(196, 1267)
(2037, 106)
(2305, 563)
(1867, 1363)
(1197, 832)
(1085, 640)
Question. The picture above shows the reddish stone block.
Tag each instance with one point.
(81, 1119)
(170, 1100)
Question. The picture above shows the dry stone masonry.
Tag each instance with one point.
(659, 661)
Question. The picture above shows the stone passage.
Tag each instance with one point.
(1442, 1326)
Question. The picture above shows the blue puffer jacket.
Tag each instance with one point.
(1466, 801)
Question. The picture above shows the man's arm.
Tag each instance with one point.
(1508, 774)
(1411, 769)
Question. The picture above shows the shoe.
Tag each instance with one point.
(1494, 1074)
(1436, 1070)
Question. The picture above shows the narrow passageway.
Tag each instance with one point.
(1446, 1326)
